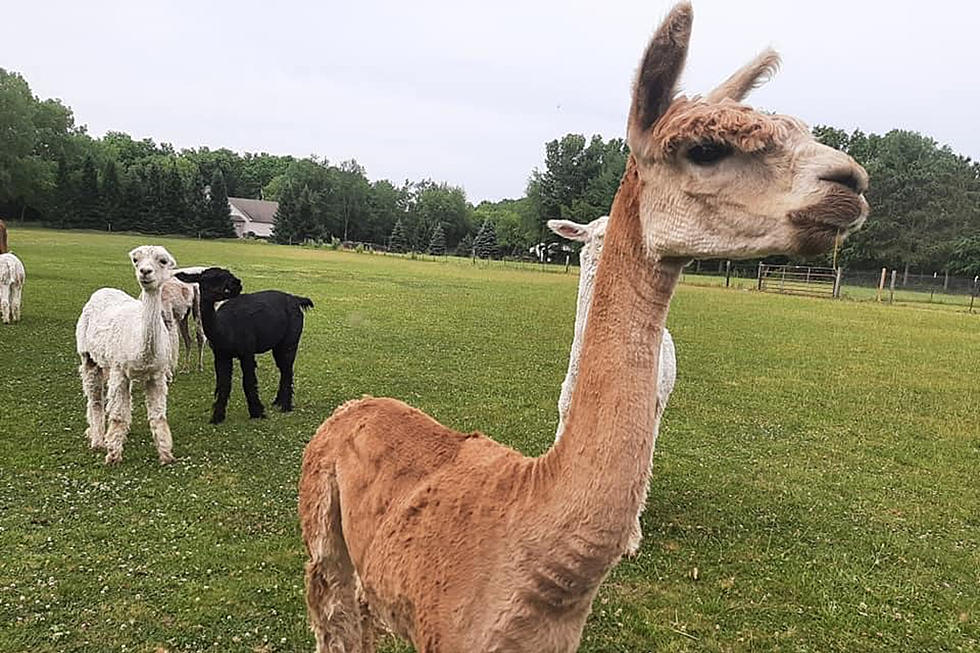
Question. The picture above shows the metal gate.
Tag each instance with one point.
(800, 280)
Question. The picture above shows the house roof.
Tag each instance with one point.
(256, 210)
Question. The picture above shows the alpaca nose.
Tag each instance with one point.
(146, 271)
(851, 176)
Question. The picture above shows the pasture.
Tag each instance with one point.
(814, 485)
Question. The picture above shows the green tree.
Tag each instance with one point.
(485, 245)
(284, 228)
(218, 214)
(579, 180)
(112, 195)
(398, 240)
(437, 245)
(89, 210)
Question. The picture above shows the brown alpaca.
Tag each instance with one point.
(461, 544)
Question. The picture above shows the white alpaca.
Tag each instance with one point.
(11, 283)
(121, 340)
(592, 235)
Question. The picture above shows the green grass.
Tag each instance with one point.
(817, 464)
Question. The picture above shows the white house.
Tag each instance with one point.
(252, 217)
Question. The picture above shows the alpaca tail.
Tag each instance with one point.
(305, 303)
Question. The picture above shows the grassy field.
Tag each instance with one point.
(814, 487)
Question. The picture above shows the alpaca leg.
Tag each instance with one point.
(250, 384)
(195, 317)
(331, 583)
(15, 298)
(5, 303)
(156, 414)
(93, 385)
(636, 536)
(120, 409)
(284, 361)
(198, 329)
(222, 387)
(185, 341)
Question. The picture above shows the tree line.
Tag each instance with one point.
(925, 198)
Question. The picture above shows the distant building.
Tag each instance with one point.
(253, 218)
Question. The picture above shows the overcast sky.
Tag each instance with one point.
(470, 92)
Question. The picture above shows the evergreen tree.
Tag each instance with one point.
(197, 205)
(398, 241)
(148, 210)
(485, 245)
(465, 246)
(112, 195)
(284, 227)
(89, 202)
(173, 203)
(64, 204)
(304, 220)
(217, 222)
(437, 246)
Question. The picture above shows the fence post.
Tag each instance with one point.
(837, 279)
(946, 282)
(891, 294)
(881, 285)
(568, 258)
(932, 288)
(759, 286)
(976, 288)
(728, 272)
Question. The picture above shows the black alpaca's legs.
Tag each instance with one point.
(222, 387)
(284, 361)
(250, 384)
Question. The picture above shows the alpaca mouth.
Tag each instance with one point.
(840, 213)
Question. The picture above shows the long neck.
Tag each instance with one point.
(586, 285)
(597, 472)
(154, 330)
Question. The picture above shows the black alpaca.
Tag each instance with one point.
(246, 325)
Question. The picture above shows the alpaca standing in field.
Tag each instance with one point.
(592, 235)
(181, 308)
(462, 544)
(12, 277)
(121, 340)
(247, 325)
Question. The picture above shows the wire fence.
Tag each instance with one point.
(936, 288)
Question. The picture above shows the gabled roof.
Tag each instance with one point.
(256, 210)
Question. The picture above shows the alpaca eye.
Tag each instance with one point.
(704, 154)
(163, 261)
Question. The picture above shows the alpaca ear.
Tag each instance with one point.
(656, 81)
(750, 76)
(570, 230)
(187, 277)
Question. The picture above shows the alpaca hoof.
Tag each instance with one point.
(113, 458)
(166, 458)
(261, 415)
(217, 419)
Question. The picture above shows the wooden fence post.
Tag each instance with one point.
(728, 272)
(881, 284)
(891, 294)
(836, 293)
(759, 286)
